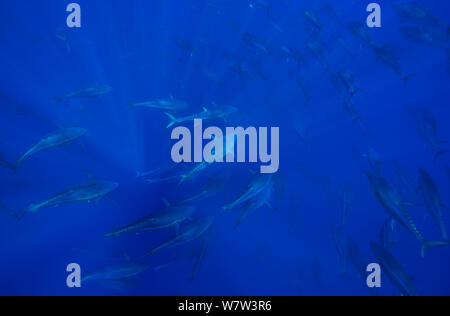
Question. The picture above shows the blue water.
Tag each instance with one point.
(133, 46)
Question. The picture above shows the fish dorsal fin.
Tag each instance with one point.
(166, 203)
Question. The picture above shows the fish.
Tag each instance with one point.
(63, 36)
(267, 5)
(356, 259)
(359, 30)
(388, 234)
(292, 53)
(121, 271)
(342, 42)
(412, 12)
(348, 81)
(172, 216)
(423, 35)
(162, 175)
(341, 245)
(195, 171)
(255, 203)
(256, 67)
(426, 124)
(395, 272)
(240, 68)
(187, 46)
(276, 26)
(84, 193)
(255, 43)
(92, 92)
(312, 17)
(53, 140)
(218, 112)
(405, 178)
(257, 185)
(214, 186)
(6, 164)
(374, 159)
(388, 58)
(350, 109)
(170, 104)
(200, 257)
(393, 203)
(358, 262)
(433, 201)
(317, 51)
(346, 203)
(304, 87)
(190, 232)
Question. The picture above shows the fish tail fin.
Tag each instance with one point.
(182, 179)
(439, 153)
(86, 276)
(354, 92)
(114, 233)
(407, 78)
(227, 208)
(17, 215)
(149, 253)
(173, 120)
(8, 165)
(429, 244)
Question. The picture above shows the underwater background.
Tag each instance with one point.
(339, 91)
